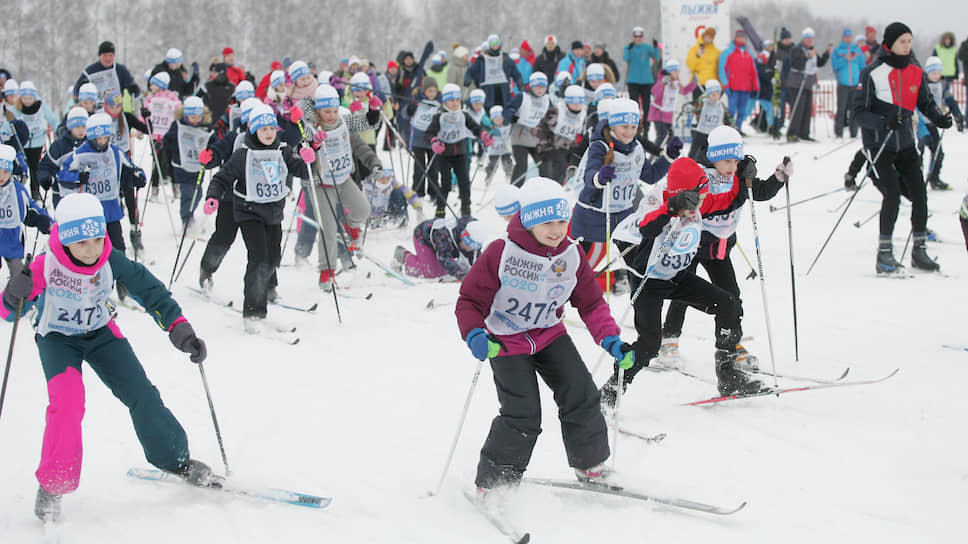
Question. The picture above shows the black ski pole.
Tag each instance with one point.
(13, 337)
(793, 275)
(759, 264)
(821, 195)
(174, 268)
(870, 169)
(211, 409)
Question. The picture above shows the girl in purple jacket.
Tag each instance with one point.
(509, 310)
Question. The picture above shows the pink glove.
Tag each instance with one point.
(487, 139)
(356, 106)
(784, 170)
(375, 102)
(205, 156)
(307, 155)
(436, 145)
(295, 113)
(318, 138)
(211, 204)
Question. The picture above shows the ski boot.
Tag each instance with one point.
(745, 361)
(937, 184)
(198, 474)
(919, 254)
(205, 282)
(609, 391)
(886, 263)
(733, 381)
(254, 324)
(669, 352)
(47, 507)
(136, 240)
(326, 280)
(596, 475)
(272, 295)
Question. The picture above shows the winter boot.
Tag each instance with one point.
(198, 473)
(326, 280)
(205, 281)
(47, 507)
(886, 263)
(733, 381)
(254, 324)
(609, 391)
(136, 240)
(745, 361)
(849, 182)
(272, 295)
(919, 254)
(937, 184)
(354, 235)
(465, 209)
(669, 351)
(597, 475)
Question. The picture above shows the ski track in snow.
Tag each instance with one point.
(365, 411)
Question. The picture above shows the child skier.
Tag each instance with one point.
(614, 162)
(500, 148)
(421, 113)
(445, 248)
(506, 201)
(188, 136)
(663, 106)
(73, 136)
(72, 282)
(39, 120)
(446, 134)
(257, 176)
(121, 137)
(16, 209)
(509, 310)
(712, 113)
(159, 105)
(525, 112)
(928, 135)
(718, 233)
(559, 132)
(388, 199)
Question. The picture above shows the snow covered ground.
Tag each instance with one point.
(365, 411)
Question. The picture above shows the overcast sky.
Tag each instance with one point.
(931, 16)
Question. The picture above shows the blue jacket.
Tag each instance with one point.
(640, 69)
(525, 69)
(31, 214)
(476, 74)
(56, 153)
(847, 71)
(575, 67)
(70, 180)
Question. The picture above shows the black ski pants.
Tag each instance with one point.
(264, 246)
(899, 173)
(721, 274)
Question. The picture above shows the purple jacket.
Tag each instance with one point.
(478, 288)
(658, 93)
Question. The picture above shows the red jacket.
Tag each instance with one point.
(739, 70)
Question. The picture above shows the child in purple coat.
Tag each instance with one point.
(663, 107)
(509, 310)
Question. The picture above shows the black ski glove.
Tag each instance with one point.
(20, 286)
(747, 168)
(139, 177)
(43, 224)
(944, 122)
(684, 201)
(630, 46)
(84, 176)
(194, 68)
(46, 183)
(893, 122)
(183, 337)
(145, 113)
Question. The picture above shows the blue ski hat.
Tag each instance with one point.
(574, 95)
(79, 217)
(278, 77)
(605, 90)
(506, 200)
(99, 125)
(87, 92)
(477, 96)
(244, 90)
(245, 108)
(173, 56)
(76, 117)
(27, 88)
(475, 235)
(7, 157)
(538, 79)
(713, 86)
(496, 111)
(724, 143)
(160, 80)
(298, 69)
(193, 106)
(326, 97)
(450, 92)
(261, 115)
(543, 200)
(623, 111)
(933, 64)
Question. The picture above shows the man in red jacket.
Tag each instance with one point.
(737, 73)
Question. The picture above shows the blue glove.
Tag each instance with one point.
(606, 174)
(624, 356)
(481, 344)
(673, 147)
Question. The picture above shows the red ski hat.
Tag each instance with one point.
(228, 51)
(684, 175)
(276, 65)
(525, 46)
(392, 64)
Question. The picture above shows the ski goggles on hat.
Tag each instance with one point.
(724, 151)
(82, 96)
(623, 118)
(81, 229)
(264, 120)
(494, 42)
(112, 98)
(555, 209)
(158, 82)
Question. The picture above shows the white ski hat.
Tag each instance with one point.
(595, 72)
(671, 65)
(476, 235)
(574, 95)
(326, 97)
(638, 31)
(160, 80)
(276, 78)
(79, 217)
(477, 96)
(76, 117)
(88, 92)
(99, 125)
(360, 82)
(496, 111)
(324, 77)
(562, 77)
(506, 200)
(11, 87)
(7, 157)
(538, 79)
(261, 115)
(246, 108)
(437, 58)
(724, 143)
(450, 92)
(244, 90)
(808, 33)
(174, 56)
(28, 88)
(493, 40)
(193, 106)
(623, 111)
(298, 69)
(605, 90)
(543, 200)
(713, 86)
(933, 64)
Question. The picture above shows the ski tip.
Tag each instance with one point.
(313, 307)
(525, 539)
(294, 341)
(734, 510)
(368, 296)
